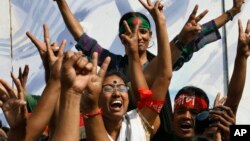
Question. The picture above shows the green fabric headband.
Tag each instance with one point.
(133, 21)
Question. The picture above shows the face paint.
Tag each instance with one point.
(190, 101)
(114, 82)
(133, 21)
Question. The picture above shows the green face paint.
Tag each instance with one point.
(133, 21)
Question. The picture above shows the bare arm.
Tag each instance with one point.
(74, 77)
(71, 22)
(14, 108)
(225, 17)
(237, 82)
(188, 33)
(138, 80)
(164, 54)
(163, 60)
(94, 125)
(47, 103)
(162, 78)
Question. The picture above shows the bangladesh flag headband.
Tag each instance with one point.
(133, 21)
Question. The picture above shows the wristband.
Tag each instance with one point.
(180, 45)
(155, 105)
(144, 93)
(147, 101)
(230, 15)
(92, 114)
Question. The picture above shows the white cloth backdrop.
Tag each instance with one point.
(100, 19)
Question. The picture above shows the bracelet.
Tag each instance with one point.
(230, 15)
(180, 45)
(92, 114)
(144, 93)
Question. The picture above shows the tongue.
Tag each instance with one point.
(115, 108)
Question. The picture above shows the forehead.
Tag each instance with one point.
(185, 108)
(113, 79)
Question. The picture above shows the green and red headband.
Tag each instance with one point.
(190, 101)
(133, 21)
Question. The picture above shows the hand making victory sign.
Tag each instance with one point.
(192, 27)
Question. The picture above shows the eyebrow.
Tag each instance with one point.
(113, 84)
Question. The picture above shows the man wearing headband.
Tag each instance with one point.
(188, 102)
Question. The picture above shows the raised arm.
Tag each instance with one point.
(189, 32)
(71, 22)
(94, 125)
(164, 52)
(229, 14)
(74, 78)
(237, 82)
(138, 81)
(47, 103)
(164, 66)
(14, 108)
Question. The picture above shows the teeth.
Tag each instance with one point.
(116, 102)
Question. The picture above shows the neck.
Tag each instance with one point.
(143, 57)
(112, 127)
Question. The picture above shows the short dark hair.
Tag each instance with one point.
(192, 90)
(117, 73)
(128, 15)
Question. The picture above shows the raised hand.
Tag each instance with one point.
(219, 101)
(90, 97)
(192, 27)
(53, 58)
(156, 10)
(23, 77)
(75, 72)
(130, 38)
(55, 52)
(244, 40)
(13, 104)
(237, 4)
(224, 117)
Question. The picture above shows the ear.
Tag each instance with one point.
(150, 34)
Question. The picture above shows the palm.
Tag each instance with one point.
(13, 106)
(192, 28)
(91, 96)
(95, 84)
(190, 34)
(155, 10)
(244, 39)
(80, 82)
(13, 113)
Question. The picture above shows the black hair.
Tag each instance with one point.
(132, 14)
(192, 90)
(117, 73)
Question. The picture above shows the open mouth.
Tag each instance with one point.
(186, 126)
(116, 105)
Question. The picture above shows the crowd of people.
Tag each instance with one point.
(97, 95)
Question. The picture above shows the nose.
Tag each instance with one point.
(115, 92)
(187, 114)
(139, 35)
